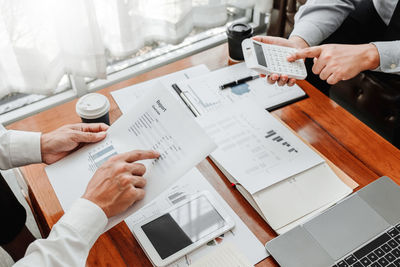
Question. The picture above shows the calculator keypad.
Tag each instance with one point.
(277, 61)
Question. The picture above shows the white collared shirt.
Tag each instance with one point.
(71, 238)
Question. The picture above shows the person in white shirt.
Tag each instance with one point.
(115, 186)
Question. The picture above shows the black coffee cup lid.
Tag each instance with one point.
(239, 29)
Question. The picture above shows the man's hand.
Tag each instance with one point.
(295, 42)
(336, 62)
(118, 183)
(59, 143)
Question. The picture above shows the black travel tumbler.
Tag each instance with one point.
(236, 33)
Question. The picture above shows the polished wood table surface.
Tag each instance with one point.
(343, 139)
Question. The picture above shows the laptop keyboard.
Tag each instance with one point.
(380, 252)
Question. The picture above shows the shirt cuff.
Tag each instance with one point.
(389, 56)
(85, 218)
(24, 148)
(309, 32)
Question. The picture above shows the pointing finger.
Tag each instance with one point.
(136, 155)
(305, 53)
(265, 39)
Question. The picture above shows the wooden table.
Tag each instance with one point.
(343, 139)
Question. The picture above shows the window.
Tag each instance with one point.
(123, 58)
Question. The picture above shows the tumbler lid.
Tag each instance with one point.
(92, 106)
(239, 30)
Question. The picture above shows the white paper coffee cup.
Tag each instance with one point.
(93, 107)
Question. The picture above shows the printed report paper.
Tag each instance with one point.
(206, 96)
(127, 97)
(254, 147)
(157, 122)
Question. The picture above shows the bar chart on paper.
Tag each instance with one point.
(101, 154)
(206, 96)
(272, 134)
(263, 149)
(254, 147)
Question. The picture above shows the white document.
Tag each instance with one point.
(294, 198)
(157, 122)
(191, 183)
(226, 255)
(127, 97)
(205, 94)
(254, 147)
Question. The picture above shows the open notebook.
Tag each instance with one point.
(282, 177)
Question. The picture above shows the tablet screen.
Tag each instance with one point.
(183, 226)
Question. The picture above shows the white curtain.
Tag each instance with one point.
(41, 40)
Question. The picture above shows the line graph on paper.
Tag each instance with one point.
(100, 154)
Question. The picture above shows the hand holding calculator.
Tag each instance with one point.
(268, 59)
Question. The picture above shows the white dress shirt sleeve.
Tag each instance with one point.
(70, 239)
(19, 148)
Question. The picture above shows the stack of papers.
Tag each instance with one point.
(205, 94)
(281, 177)
(202, 88)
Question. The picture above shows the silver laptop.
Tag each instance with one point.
(362, 230)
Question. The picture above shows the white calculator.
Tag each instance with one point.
(268, 59)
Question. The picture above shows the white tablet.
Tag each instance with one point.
(183, 228)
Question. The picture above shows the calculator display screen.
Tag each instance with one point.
(260, 55)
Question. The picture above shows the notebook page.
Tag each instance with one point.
(254, 147)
